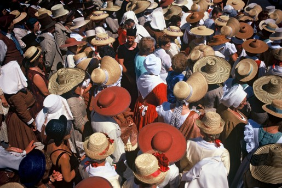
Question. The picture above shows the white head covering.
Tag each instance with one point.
(158, 21)
(99, 30)
(12, 78)
(129, 15)
(153, 64)
(233, 96)
(53, 107)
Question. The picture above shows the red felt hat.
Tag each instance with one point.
(94, 182)
(165, 3)
(163, 138)
(112, 101)
(72, 42)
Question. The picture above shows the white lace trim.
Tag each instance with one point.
(249, 137)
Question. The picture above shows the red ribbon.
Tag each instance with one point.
(93, 164)
(111, 141)
(162, 161)
(217, 143)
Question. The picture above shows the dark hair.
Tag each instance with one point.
(129, 21)
(107, 51)
(174, 19)
(275, 120)
(145, 45)
(131, 32)
(263, 15)
(216, 10)
(179, 62)
(163, 40)
(184, 9)
(56, 129)
(210, 137)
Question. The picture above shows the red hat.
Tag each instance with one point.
(72, 42)
(94, 182)
(165, 3)
(5, 21)
(163, 138)
(112, 101)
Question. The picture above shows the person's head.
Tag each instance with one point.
(153, 64)
(242, 104)
(263, 15)
(179, 62)
(129, 24)
(32, 24)
(73, 49)
(164, 42)
(130, 36)
(216, 12)
(107, 51)
(33, 57)
(146, 46)
(234, 97)
(175, 20)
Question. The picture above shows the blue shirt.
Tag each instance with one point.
(139, 65)
(171, 80)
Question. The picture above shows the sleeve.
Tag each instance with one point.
(59, 38)
(77, 109)
(3, 51)
(167, 61)
(121, 54)
(49, 52)
(160, 110)
(232, 49)
(119, 150)
(19, 34)
(226, 160)
(160, 92)
(8, 160)
(112, 24)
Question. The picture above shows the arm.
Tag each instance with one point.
(49, 53)
(40, 84)
(19, 34)
(3, 51)
(64, 163)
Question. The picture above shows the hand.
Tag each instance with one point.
(29, 147)
(13, 149)
(57, 176)
(4, 102)
(33, 126)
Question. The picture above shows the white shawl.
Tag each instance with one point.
(146, 83)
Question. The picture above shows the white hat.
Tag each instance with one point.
(158, 21)
(153, 64)
(129, 15)
(233, 96)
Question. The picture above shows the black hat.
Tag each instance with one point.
(45, 21)
(131, 32)
(56, 129)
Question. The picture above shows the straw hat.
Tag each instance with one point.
(173, 31)
(217, 40)
(19, 16)
(201, 6)
(249, 7)
(202, 31)
(102, 39)
(244, 18)
(46, 22)
(245, 31)
(111, 7)
(270, 27)
(43, 11)
(215, 69)
(180, 2)
(277, 16)
(194, 17)
(236, 4)
(231, 28)
(94, 181)
(112, 101)
(200, 51)
(99, 15)
(277, 35)
(81, 61)
(72, 42)
(65, 79)
(79, 22)
(58, 11)
(211, 123)
(162, 138)
(173, 10)
(193, 89)
(153, 5)
(255, 46)
(275, 108)
(222, 20)
(99, 146)
(108, 73)
(265, 164)
(277, 54)
(32, 53)
(263, 22)
(268, 88)
(147, 169)
(137, 6)
(12, 185)
(246, 70)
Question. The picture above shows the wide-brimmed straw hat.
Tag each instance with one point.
(99, 146)
(236, 4)
(217, 40)
(200, 51)
(94, 181)
(200, 6)
(231, 28)
(162, 138)
(99, 15)
(221, 20)
(246, 70)
(19, 16)
(112, 101)
(72, 42)
(268, 88)
(277, 35)
(64, 80)
(81, 61)
(249, 7)
(46, 21)
(270, 27)
(153, 5)
(193, 89)
(108, 73)
(265, 164)
(173, 10)
(137, 6)
(245, 31)
(43, 11)
(102, 39)
(79, 22)
(202, 31)
(194, 17)
(111, 7)
(275, 108)
(244, 18)
(215, 69)
(211, 123)
(32, 53)
(263, 22)
(277, 54)
(276, 15)
(58, 11)
(255, 46)
(180, 2)
(12, 185)
(148, 170)
(173, 31)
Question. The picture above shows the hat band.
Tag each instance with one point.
(222, 20)
(100, 39)
(173, 30)
(107, 77)
(34, 55)
(153, 175)
(250, 71)
(190, 94)
(110, 141)
(270, 28)
(99, 14)
(274, 109)
(79, 60)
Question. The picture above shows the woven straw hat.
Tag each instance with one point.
(98, 15)
(173, 10)
(193, 89)
(180, 2)
(249, 7)
(255, 46)
(111, 7)
(19, 16)
(270, 27)
(221, 20)
(217, 40)
(108, 73)
(263, 22)
(236, 4)
(98, 146)
(278, 54)
(275, 108)
(211, 123)
(245, 31)
(277, 16)
(200, 51)
(268, 88)
(246, 70)
(201, 6)
(244, 18)
(79, 22)
(64, 80)
(147, 169)
(32, 53)
(81, 61)
(173, 31)
(265, 164)
(137, 6)
(277, 35)
(43, 11)
(215, 69)
(194, 17)
(231, 29)
(202, 31)
(12, 185)
(58, 11)
(102, 39)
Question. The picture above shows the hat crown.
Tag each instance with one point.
(255, 44)
(202, 27)
(243, 29)
(70, 40)
(162, 141)
(244, 68)
(58, 10)
(211, 66)
(277, 104)
(52, 103)
(181, 90)
(30, 52)
(273, 86)
(98, 142)
(211, 120)
(274, 157)
(106, 99)
(146, 164)
(62, 76)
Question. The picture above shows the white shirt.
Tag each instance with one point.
(227, 49)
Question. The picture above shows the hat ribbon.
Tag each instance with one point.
(34, 55)
(190, 94)
(110, 141)
(99, 14)
(274, 109)
(92, 163)
(270, 28)
(107, 76)
(162, 161)
(106, 38)
(79, 60)
(221, 20)
(173, 30)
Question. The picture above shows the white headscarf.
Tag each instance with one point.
(129, 15)
(12, 78)
(158, 21)
(153, 64)
(233, 95)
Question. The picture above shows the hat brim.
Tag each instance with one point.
(95, 42)
(239, 6)
(220, 23)
(247, 34)
(219, 42)
(268, 110)
(62, 14)
(48, 26)
(263, 95)
(200, 86)
(153, 6)
(177, 148)
(112, 67)
(272, 37)
(48, 12)
(185, 2)
(84, 64)
(119, 105)
(101, 17)
(78, 26)
(79, 43)
(97, 156)
(245, 18)
(251, 75)
(112, 9)
(165, 3)
(20, 18)
(173, 34)
(207, 130)
(145, 5)
(248, 48)
(37, 55)
(189, 20)
(151, 181)
(269, 30)
(167, 15)
(259, 168)
(205, 32)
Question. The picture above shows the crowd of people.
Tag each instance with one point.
(140, 93)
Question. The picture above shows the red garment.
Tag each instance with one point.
(121, 36)
(155, 98)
